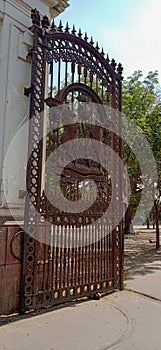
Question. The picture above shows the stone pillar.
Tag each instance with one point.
(15, 73)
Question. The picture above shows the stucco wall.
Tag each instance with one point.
(15, 73)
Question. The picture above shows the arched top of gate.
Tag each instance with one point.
(72, 46)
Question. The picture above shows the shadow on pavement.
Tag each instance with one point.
(141, 256)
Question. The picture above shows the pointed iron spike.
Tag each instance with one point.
(80, 33)
(113, 64)
(86, 37)
(107, 58)
(60, 26)
(102, 52)
(67, 28)
(73, 30)
(53, 24)
(53, 27)
(97, 47)
(119, 69)
(92, 42)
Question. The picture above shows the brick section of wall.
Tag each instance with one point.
(10, 268)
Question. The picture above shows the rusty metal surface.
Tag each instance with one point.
(62, 269)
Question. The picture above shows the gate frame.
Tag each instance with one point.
(41, 39)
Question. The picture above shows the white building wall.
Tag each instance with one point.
(15, 73)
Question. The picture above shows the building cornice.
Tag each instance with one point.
(51, 8)
(57, 6)
(51, 3)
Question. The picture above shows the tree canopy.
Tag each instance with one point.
(142, 104)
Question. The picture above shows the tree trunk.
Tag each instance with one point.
(128, 223)
(147, 223)
(157, 224)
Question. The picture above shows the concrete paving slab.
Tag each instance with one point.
(145, 321)
(123, 320)
(89, 325)
(143, 264)
(147, 285)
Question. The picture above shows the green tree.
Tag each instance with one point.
(142, 104)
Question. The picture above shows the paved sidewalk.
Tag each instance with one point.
(143, 264)
(124, 320)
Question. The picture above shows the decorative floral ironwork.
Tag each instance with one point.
(56, 271)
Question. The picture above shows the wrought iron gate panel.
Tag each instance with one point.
(78, 258)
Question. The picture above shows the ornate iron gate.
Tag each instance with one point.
(69, 255)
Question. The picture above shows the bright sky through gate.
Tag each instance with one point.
(128, 30)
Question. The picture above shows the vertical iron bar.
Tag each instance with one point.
(61, 256)
(95, 254)
(121, 230)
(89, 256)
(91, 80)
(79, 255)
(82, 254)
(52, 257)
(73, 72)
(51, 78)
(59, 72)
(66, 73)
(102, 91)
(57, 259)
(65, 257)
(68, 269)
(42, 262)
(87, 235)
(72, 256)
(85, 75)
(113, 146)
(79, 73)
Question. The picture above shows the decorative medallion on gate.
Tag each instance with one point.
(70, 254)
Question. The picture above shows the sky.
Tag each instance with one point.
(128, 30)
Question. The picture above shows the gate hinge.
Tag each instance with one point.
(31, 51)
(22, 194)
(27, 91)
(29, 56)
